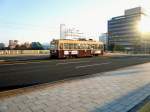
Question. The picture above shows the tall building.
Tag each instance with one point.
(62, 31)
(126, 30)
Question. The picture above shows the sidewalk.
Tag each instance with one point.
(116, 91)
(124, 54)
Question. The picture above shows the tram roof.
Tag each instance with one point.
(76, 41)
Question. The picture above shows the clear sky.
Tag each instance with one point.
(39, 20)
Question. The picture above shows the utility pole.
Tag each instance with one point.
(62, 31)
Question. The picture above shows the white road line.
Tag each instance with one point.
(34, 62)
(72, 62)
(77, 67)
(68, 60)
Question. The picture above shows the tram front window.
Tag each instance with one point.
(53, 46)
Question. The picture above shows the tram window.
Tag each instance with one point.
(66, 46)
(61, 46)
(79, 46)
(93, 46)
(75, 46)
(82, 46)
(99, 46)
(53, 46)
(86, 46)
(89, 46)
(71, 46)
(102, 46)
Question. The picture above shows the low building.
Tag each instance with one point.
(13, 44)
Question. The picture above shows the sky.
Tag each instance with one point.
(39, 20)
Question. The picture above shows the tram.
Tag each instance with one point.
(65, 48)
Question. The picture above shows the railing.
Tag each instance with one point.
(19, 52)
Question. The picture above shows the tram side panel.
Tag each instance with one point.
(75, 53)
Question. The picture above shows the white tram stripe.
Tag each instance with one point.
(77, 67)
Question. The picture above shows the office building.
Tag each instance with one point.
(126, 31)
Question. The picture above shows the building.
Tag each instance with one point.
(27, 45)
(69, 33)
(62, 31)
(12, 44)
(125, 31)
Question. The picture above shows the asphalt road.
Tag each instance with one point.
(25, 73)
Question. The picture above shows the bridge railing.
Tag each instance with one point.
(19, 52)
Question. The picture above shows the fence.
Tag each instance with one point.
(19, 52)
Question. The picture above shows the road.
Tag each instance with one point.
(25, 73)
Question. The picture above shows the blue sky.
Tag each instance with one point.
(38, 20)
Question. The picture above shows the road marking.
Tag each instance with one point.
(84, 66)
(64, 60)
(72, 62)
(33, 62)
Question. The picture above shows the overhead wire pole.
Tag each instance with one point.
(62, 31)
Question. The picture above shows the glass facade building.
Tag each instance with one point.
(124, 30)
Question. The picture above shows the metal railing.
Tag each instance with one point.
(19, 52)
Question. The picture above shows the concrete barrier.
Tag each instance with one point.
(18, 52)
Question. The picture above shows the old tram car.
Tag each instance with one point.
(65, 48)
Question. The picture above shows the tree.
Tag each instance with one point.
(36, 46)
(2, 46)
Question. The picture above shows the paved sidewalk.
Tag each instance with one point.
(116, 91)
